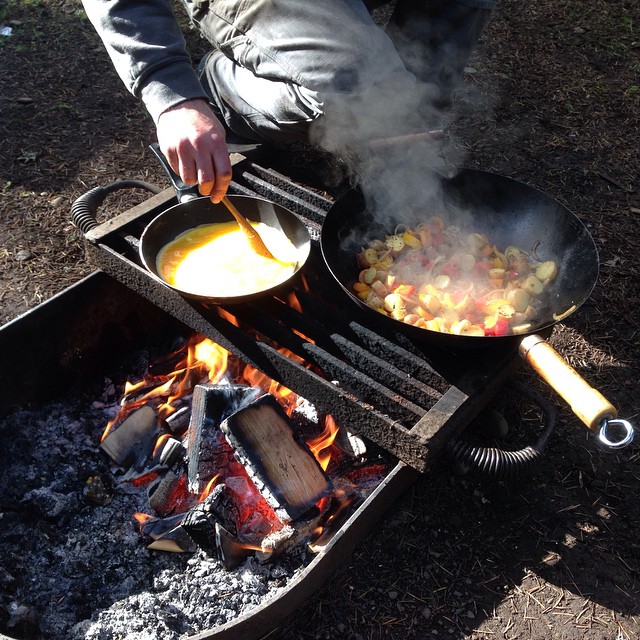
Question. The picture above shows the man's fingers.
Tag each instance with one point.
(193, 140)
(188, 169)
(205, 187)
(223, 176)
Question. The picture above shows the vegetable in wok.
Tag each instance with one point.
(441, 278)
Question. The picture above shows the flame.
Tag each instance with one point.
(209, 488)
(323, 442)
(288, 399)
(251, 547)
(336, 516)
(293, 302)
(142, 518)
(223, 313)
(204, 359)
(159, 444)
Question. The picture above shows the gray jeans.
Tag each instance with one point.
(277, 66)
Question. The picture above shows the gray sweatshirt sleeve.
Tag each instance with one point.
(148, 50)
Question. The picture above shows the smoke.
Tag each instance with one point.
(397, 99)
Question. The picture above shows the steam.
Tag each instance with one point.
(394, 177)
(397, 95)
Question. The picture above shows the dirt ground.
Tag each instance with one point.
(552, 99)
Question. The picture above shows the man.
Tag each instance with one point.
(285, 70)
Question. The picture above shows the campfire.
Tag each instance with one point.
(177, 520)
(232, 462)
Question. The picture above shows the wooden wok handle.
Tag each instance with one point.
(585, 401)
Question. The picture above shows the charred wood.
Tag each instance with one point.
(132, 439)
(278, 461)
(210, 405)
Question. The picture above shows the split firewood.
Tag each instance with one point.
(178, 422)
(231, 551)
(278, 461)
(176, 541)
(169, 494)
(351, 443)
(166, 534)
(199, 522)
(211, 403)
(123, 445)
(282, 540)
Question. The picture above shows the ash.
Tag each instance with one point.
(74, 569)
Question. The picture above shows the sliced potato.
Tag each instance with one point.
(547, 271)
(533, 286)
(519, 298)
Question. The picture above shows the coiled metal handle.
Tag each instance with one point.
(623, 428)
(85, 208)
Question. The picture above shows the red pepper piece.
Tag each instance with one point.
(500, 328)
(405, 290)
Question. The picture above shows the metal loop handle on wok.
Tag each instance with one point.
(587, 403)
(618, 426)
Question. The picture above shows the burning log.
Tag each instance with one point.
(132, 438)
(199, 522)
(178, 422)
(211, 403)
(210, 525)
(175, 541)
(170, 494)
(166, 534)
(278, 461)
(288, 537)
(231, 551)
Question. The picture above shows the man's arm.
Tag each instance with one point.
(148, 51)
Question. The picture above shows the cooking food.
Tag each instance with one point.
(442, 278)
(216, 260)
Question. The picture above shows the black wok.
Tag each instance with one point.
(510, 213)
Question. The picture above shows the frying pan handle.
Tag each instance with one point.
(597, 413)
(184, 191)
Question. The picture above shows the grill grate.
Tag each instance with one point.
(407, 398)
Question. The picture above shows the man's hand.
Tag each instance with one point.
(193, 141)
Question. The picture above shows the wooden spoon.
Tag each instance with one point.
(255, 241)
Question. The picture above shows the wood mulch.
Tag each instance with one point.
(551, 99)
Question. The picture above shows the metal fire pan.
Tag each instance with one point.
(90, 326)
(261, 622)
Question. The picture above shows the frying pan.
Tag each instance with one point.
(191, 211)
(509, 213)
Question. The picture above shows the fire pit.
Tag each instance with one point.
(407, 398)
(409, 401)
(84, 556)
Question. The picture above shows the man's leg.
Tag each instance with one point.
(435, 39)
(277, 65)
